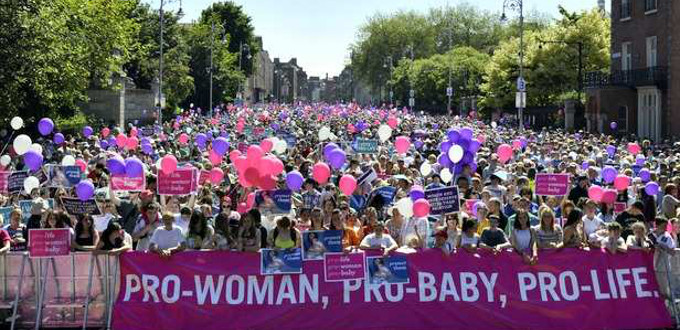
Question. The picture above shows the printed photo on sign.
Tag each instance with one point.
(316, 243)
(275, 261)
(5, 211)
(276, 201)
(340, 267)
(391, 269)
(63, 176)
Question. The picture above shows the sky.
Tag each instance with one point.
(319, 32)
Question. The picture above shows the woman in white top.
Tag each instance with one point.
(591, 222)
(523, 238)
(453, 229)
(469, 240)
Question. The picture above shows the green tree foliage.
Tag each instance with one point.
(551, 61)
(465, 25)
(430, 78)
(53, 50)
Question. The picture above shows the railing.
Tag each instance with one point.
(654, 76)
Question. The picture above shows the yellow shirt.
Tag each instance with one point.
(485, 223)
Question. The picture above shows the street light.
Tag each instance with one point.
(160, 71)
(212, 46)
(242, 48)
(389, 63)
(411, 92)
(518, 6)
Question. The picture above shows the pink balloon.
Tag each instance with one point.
(234, 154)
(321, 172)
(239, 127)
(481, 138)
(595, 193)
(267, 182)
(517, 144)
(168, 164)
(242, 208)
(132, 143)
(278, 166)
(175, 125)
(133, 132)
(240, 163)
(250, 200)
(402, 144)
(252, 176)
(266, 165)
(504, 152)
(609, 196)
(121, 140)
(255, 152)
(392, 122)
(105, 132)
(216, 175)
(621, 182)
(347, 184)
(215, 158)
(266, 145)
(421, 208)
(81, 163)
(183, 138)
(634, 148)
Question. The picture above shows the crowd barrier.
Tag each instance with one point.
(80, 290)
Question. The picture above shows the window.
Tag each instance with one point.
(626, 59)
(651, 52)
(650, 5)
(626, 8)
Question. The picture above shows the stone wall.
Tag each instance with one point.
(122, 106)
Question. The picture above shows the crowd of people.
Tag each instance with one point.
(499, 209)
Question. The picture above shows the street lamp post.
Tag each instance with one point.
(242, 48)
(160, 62)
(518, 6)
(212, 68)
(411, 92)
(389, 63)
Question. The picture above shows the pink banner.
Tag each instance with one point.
(4, 181)
(44, 243)
(619, 207)
(121, 182)
(183, 181)
(340, 267)
(552, 184)
(567, 289)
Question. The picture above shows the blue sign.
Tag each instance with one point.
(521, 84)
(286, 261)
(365, 146)
(5, 211)
(391, 269)
(387, 193)
(315, 243)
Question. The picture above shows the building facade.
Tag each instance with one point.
(260, 85)
(641, 92)
(290, 81)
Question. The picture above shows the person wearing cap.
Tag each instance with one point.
(379, 240)
(167, 239)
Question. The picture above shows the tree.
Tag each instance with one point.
(551, 61)
(465, 25)
(430, 77)
(54, 50)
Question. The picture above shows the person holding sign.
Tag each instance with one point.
(350, 240)
(168, 239)
(378, 240)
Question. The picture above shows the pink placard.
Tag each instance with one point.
(184, 181)
(552, 184)
(567, 289)
(469, 204)
(47, 243)
(121, 182)
(619, 207)
(205, 176)
(4, 181)
(340, 267)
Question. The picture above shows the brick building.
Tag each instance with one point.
(641, 92)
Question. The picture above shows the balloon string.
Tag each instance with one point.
(6, 144)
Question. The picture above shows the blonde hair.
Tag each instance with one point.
(543, 212)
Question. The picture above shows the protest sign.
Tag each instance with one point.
(4, 181)
(443, 200)
(121, 182)
(183, 181)
(315, 243)
(367, 177)
(47, 243)
(74, 206)
(387, 270)
(63, 176)
(204, 177)
(619, 207)
(5, 211)
(343, 267)
(365, 146)
(387, 194)
(15, 182)
(552, 184)
(276, 201)
(284, 261)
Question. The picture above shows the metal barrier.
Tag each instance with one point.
(74, 291)
(667, 268)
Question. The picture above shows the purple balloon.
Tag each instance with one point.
(328, 148)
(337, 158)
(465, 144)
(466, 133)
(59, 138)
(640, 159)
(85, 190)
(611, 151)
(116, 165)
(147, 149)
(294, 180)
(45, 126)
(103, 144)
(585, 165)
(221, 146)
(87, 131)
(145, 140)
(418, 144)
(468, 158)
(644, 175)
(652, 188)
(523, 141)
(417, 194)
(201, 139)
(474, 146)
(609, 174)
(613, 125)
(453, 135)
(444, 160)
(134, 167)
(33, 160)
(445, 146)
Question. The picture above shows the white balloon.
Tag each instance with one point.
(17, 123)
(445, 175)
(31, 183)
(324, 133)
(456, 153)
(22, 143)
(280, 146)
(425, 169)
(573, 155)
(68, 160)
(5, 160)
(384, 132)
(405, 207)
(37, 148)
